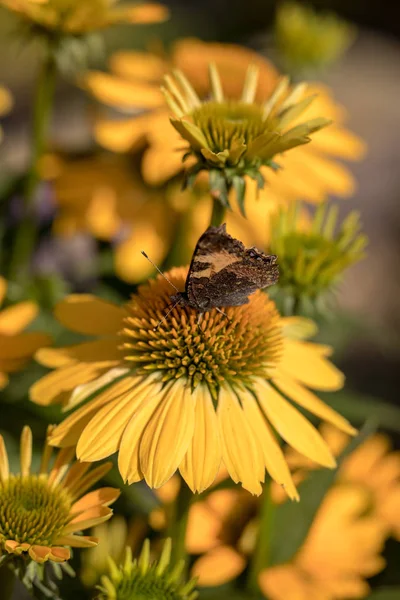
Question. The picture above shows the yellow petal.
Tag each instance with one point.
(128, 456)
(218, 566)
(203, 529)
(26, 451)
(22, 345)
(295, 391)
(167, 435)
(56, 387)
(150, 12)
(6, 101)
(122, 136)
(82, 392)
(68, 432)
(101, 497)
(3, 289)
(158, 166)
(130, 265)
(302, 361)
(274, 459)
(122, 93)
(285, 582)
(78, 541)
(240, 451)
(138, 65)
(298, 327)
(292, 426)
(340, 142)
(90, 315)
(102, 436)
(4, 465)
(15, 318)
(97, 351)
(203, 458)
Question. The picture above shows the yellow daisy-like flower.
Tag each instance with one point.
(308, 39)
(341, 551)
(233, 138)
(374, 466)
(74, 17)
(185, 394)
(41, 513)
(6, 103)
(310, 172)
(17, 347)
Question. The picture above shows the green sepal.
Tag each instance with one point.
(386, 593)
(219, 186)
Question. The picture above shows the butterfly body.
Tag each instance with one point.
(223, 272)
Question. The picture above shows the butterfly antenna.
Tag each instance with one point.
(222, 313)
(159, 270)
(166, 315)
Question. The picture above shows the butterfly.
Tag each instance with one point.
(223, 272)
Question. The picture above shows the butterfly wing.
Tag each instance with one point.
(224, 273)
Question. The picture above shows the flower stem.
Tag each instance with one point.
(25, 239)
(179, 525)
(7, 581)
(218, 213)
(261, 556)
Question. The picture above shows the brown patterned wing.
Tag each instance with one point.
(224, 273)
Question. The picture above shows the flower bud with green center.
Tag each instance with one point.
(141, 579)
(307, 40)
(41, 512)
(234, 138)
(313, 254)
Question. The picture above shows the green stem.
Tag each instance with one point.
(25, 239)
(218, 213)
(7, 581)
(178, 530)
(261, 556)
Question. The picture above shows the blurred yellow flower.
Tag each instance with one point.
(43, 513)
(310, 172)
(16, 347)
(186, 394)
(104, 196)
(77, 17)
(341, 551)
(373, 465)
(307, 39)
(6, 103)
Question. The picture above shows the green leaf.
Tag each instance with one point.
(218, 187)
(294, 519)
(239, 185)
(390, 593)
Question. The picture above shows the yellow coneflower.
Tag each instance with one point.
(310, 172)
(145, 580)
(314, 253)
(233, 138)
(188, 395)
(41, 513)
(17, 347)
(373, 465)
(78, 18)
(306, 39)
(343, 549)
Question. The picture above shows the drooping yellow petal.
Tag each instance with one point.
(22, 345)
(102, 435)
(122, 136)
(292, 426)
(302, 361)
(149, 12)
(98, 350)
(68, 432)
(295, 391)
(90, 315)
(128, 456)
(101, 497)
(138, 65)
(274, 459)
(167, 435)
(240, 450)
(130, 265)
(4, 465)
(203, 458)
(57, 386)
